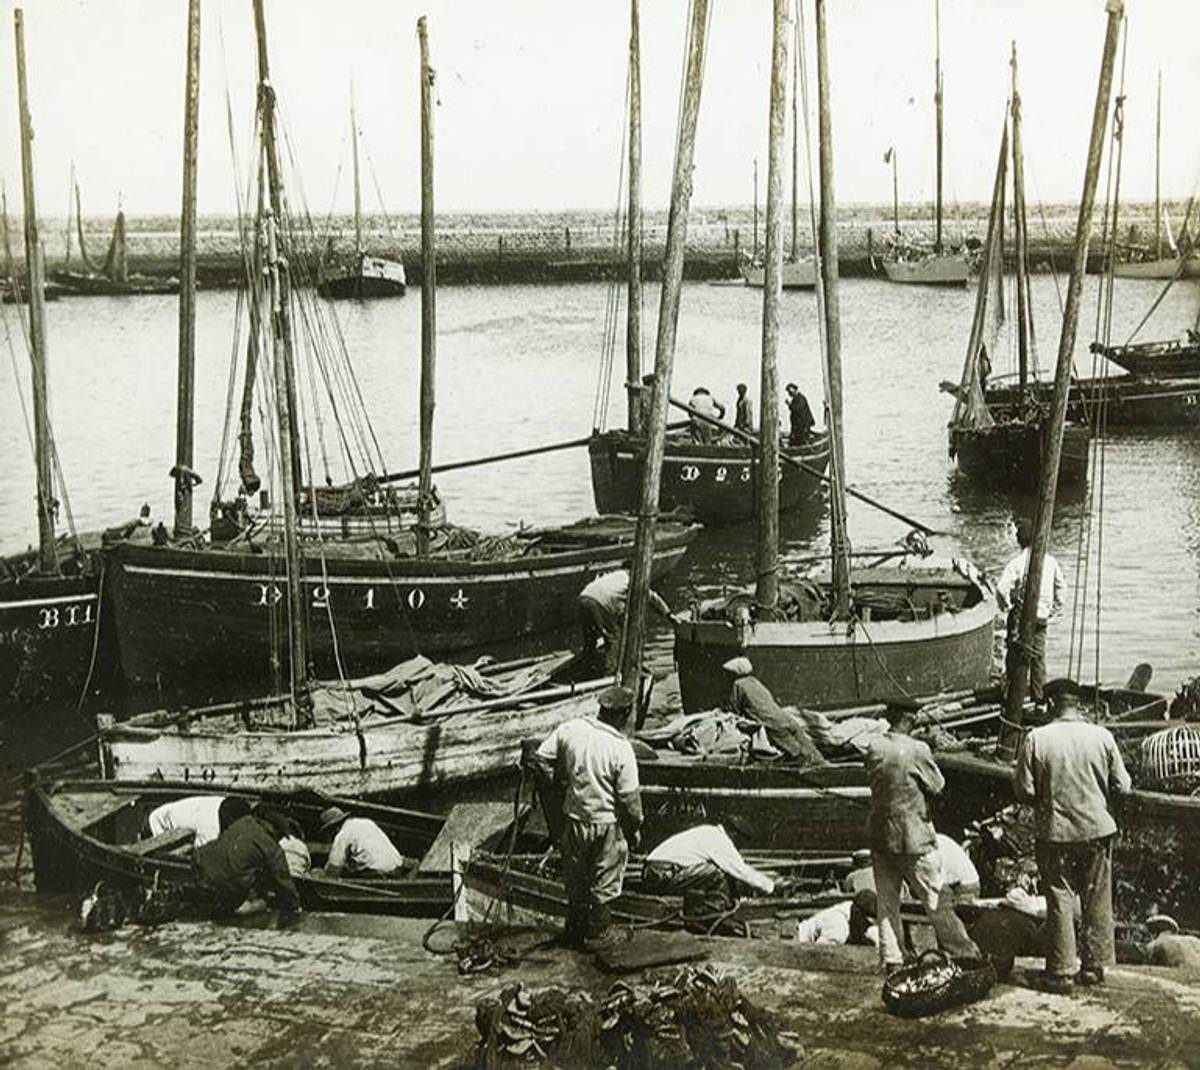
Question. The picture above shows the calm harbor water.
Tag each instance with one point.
(517, 367)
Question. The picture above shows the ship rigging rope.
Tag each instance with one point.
(1091, 526)
(612, 296)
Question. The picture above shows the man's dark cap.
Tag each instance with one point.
(1058, 690)
(740, 826)
(898, 709)
(616, 698)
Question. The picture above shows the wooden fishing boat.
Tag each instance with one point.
(1127, 401)
(914, 631)
(1007, 451)
(365, 740)
(1141, 265)
(205, 618)
(82, 831)
(1156, 360)
(522, 889)
(877, 634)
(714, 483)
(1152, 260)
(48, 629)
(797, 274)
(1010, 453)
(51, 643)
(916, 266)
(114, 279)
(361, 275)
(909, 261)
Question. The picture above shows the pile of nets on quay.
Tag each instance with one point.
(695, 1020)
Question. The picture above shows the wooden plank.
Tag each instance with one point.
(647, 949)
(471, 823)
(163, 842)
(85, 810)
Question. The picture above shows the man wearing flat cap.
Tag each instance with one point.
(592, 762)
(751, 699)
(1070, 769)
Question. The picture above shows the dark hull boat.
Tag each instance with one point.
(213, 615)
(78, 284)
(916, 631)
(370, 276)
(715, 484)
(1155, 360)
(1010, 454)
(1127, 401)
(84, 831)
(48, 636)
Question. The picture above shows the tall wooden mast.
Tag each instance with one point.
(937, 99)
(796, 144)
(1018, 684)
(358, 242)
(634, 636)
(184, 401)
(756, 208)
(1158, 170)
(767, 556)
(47, 550)
(285, 387)
(428, 295)
(827, 233)
(633, 320)
(1019, 226)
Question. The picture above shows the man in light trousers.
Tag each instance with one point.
(904, 847)
(1070, 770)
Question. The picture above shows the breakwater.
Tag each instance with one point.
(580, 246)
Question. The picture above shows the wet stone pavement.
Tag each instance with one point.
(341, 991)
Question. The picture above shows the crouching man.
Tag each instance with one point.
(703, 865)
(592, 764)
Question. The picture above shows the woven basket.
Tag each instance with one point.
(935, 983)
(1171, 759)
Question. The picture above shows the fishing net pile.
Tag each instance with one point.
(695, 1020)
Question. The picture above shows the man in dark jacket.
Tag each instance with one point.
(1070, 770)
(800, 415)
(751, 699)
(904, 847)
(246, 858)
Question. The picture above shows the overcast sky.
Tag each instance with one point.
(531, 97)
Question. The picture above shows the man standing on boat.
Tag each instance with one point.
(800, 416)
(744, 418)
(591, 763)
(602, 614)
(704, 403)
(1010, 592)
(1070, 770)
(904, 846)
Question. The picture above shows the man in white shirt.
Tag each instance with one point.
(205, 815)
(959, 875)
(702, 865)
(360, 848)
(602, 614)
(591, 762)
(1010, 592)
(851, 921)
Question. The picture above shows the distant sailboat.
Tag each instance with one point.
(362, 275)
(910, 261)
(114, 279)
(1148, 261)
